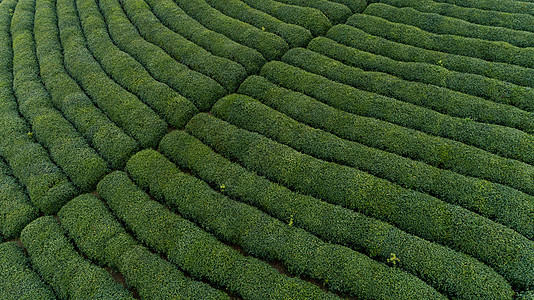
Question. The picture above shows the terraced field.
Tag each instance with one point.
(260, 149)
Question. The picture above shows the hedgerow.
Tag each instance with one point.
(357, 6)
(100, 236)
(132, 115)
(476, 85)
(427, 99)
(517, 21)
(336, 12)
(15, 208)
(268, 238)
(65, 144)
(294, 35)
(106, 137)
(268, 44)
(486, 50)
(18, 281)
(442, 100)
(462, 159)
(195, 251)
(512, 6)
(371, 132)
(65, 270)
(310, 18)
(338, 225)
(439, 24)
(226, 72)
(499, 203)
(422, 215)
(202, 90)
(47, 186)
(356, 38)
(172, 16)
(128, 72)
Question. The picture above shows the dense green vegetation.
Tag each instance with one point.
(267, 149)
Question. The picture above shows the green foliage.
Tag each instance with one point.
(357, 6)
(268, 44)
(406, 34)
(192, 249)
(17, 280)
(476, 85)
(439, 24)
(100, 236)
(414, 212)
(294, 35)
(128, 72)
(499, 203)
(106, 137)
(443, 100)
(517, 21)
(202, 90)
(464, 159)
(226, 72)
(65, 144)
(336, 12)
(176, 19)
(310, 18)
(359, 39)
(427, 99)
(65, 270)
(338, 225)
(527, 295)
(266, 237)
(511, 6)
(132, 115)
(15, 208)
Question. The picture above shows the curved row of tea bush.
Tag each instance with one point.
(426, 99)
(107, 138)
(131, 114)
(172, 16)
(310, 18)
(226, 72)
(268, 44)
(47, 186)
(359, 39)
(17, 280)
(195, 251)
(339, 225)
(63, 268)
(499, 203)
(15, 209)
(374, 133)
(334, 11)
(472, 84)
(175, 109)
(439, 24)
(67, 147)
(202, 90)
(511, 6)
(294, 35)
(422, 215)
(402, 33)
(517, 21)
(426, 107)
(356, 6)
(268, 238)
(101, 237)
(448, 154)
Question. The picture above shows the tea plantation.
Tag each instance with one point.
(261, 149)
